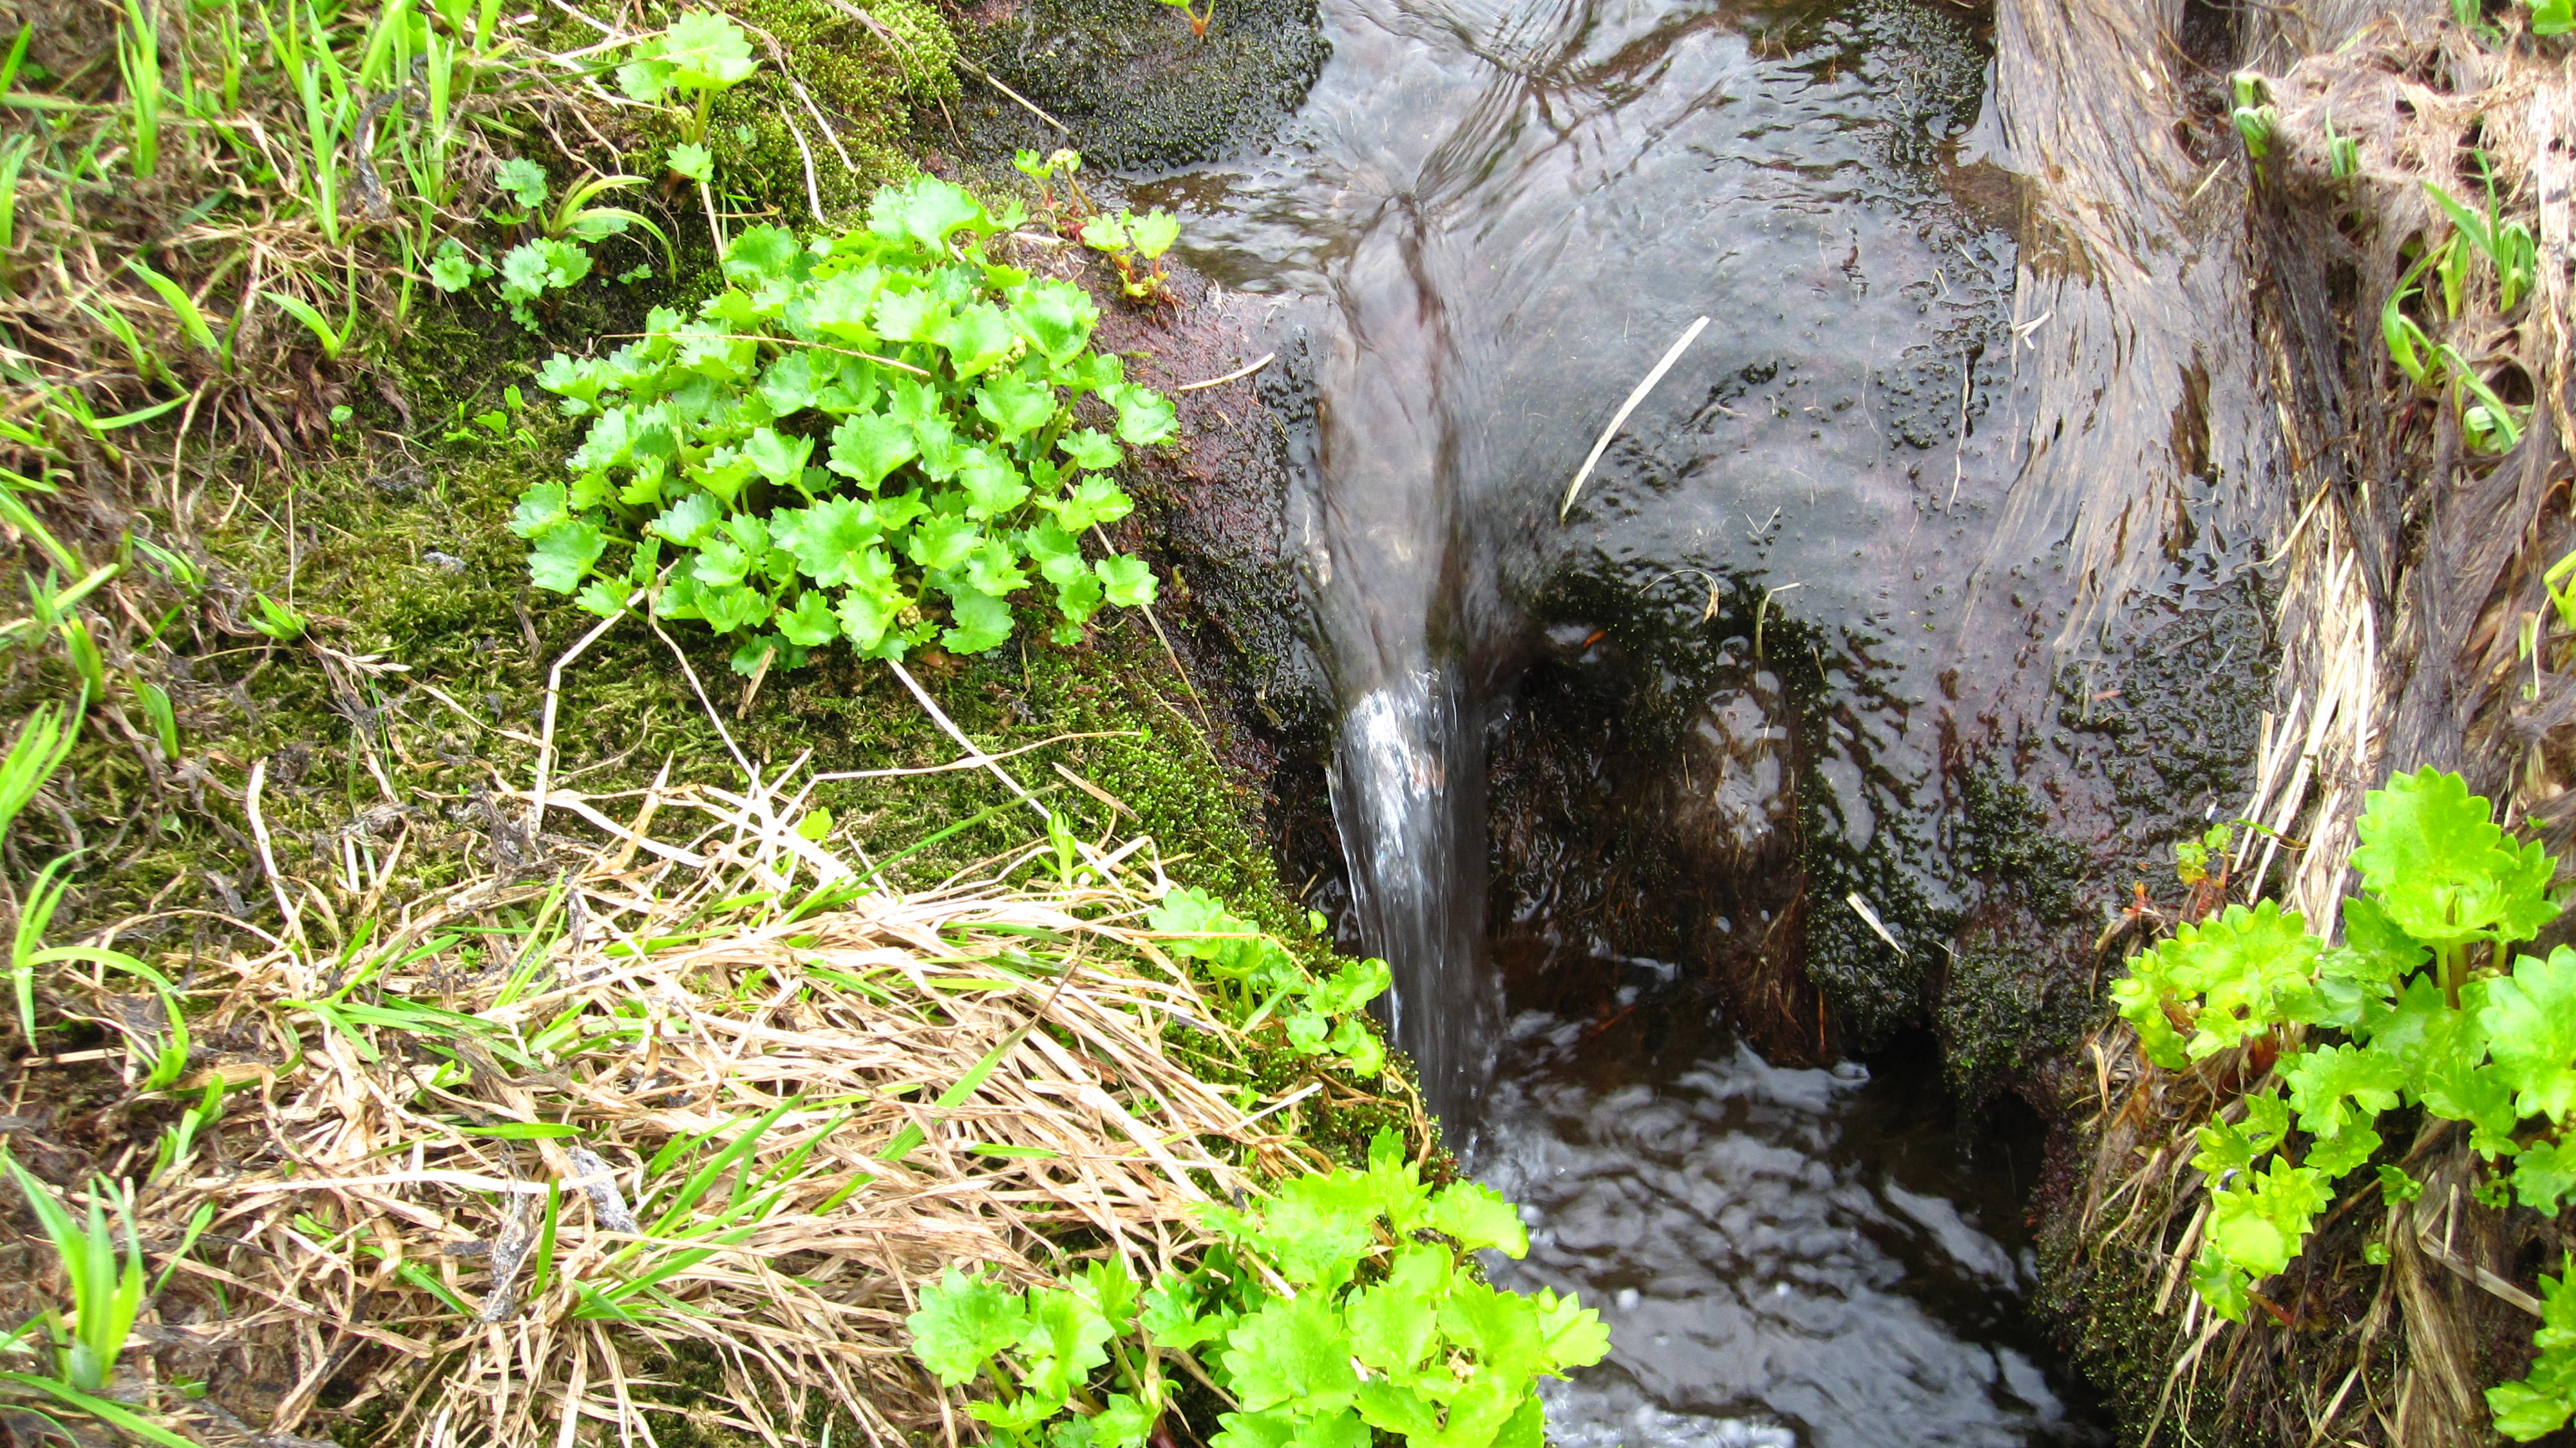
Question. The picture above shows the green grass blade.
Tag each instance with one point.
(191, 320)
(43, 743)
(313, 320)
(101, 1409)
(197, 1224)
(545, 1254)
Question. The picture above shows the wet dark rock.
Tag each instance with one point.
(1137, 91)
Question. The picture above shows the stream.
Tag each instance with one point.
(1700, 721)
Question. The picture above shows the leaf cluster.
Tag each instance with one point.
(698, 58)
(1338, 1306)
(2432, 1017)
(1133, 244)
(555, 254)
(871, 438)
(1258, 979)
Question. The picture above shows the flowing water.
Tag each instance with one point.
(1490, 219)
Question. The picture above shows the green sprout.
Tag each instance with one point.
(107, 1295)
(699, 57)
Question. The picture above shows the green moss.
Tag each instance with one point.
(2004, 838)
(1138, 90)
(2103, 1300)
(868, 83)
(2007, 1008)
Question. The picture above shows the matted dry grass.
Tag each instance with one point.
(507, 1166)
(2410, 576)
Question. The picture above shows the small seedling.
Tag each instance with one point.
(1128, 240)
(107, 1295)
(699, 57)
(1198, 22)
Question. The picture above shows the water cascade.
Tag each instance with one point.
(1489, 220)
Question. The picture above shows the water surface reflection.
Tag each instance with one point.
(1783, 1256)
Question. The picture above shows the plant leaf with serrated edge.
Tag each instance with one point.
(1476, 1217)
(2441, 868)
(1291, 1351)
(982, 622)
(2544, 1173)
(834, 541)
(1153, 233)
(706, 52)
(810, 623)
(2258, 1221)
(993, 487)
(540, 511)
(2220, 1283)
(1093, 500)
(2530, 1021)
(2336, 1156)
(1015, 406)
(867, 447)
(760, 254)
(2333, 1087)
(962, 1321)
(688, 521)
(1067, 1338)
(781, 459)
(1091, 448)
(1397, 1409)
(942, 541)
(563, 557)
(976, 336)
(1144, 415)
(925, 211)
(1394, 1323)
(1318, 1227)
(1571, 1334)
(1057, 318)
(1126, 581)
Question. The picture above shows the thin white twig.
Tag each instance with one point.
(949, 727)
(1603, 444)
(1244, 371)
(813, 194)
(554, 698)
(268, 857)
(990, 79)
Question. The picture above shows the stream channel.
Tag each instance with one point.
(1610, 777)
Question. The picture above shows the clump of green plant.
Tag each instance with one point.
(107, 1291)
(699, 58)
(2255, 116)
(1133, 244)
(1338, 1306)
(555, 256)
(106, 1295)
(874, 438)
(2488, 423)
(2432, 1016)
(1064, 213)
(1259, 980)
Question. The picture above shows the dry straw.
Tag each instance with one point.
(710, 1104)
(2408, 578)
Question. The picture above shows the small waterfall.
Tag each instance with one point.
(1408, 798)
